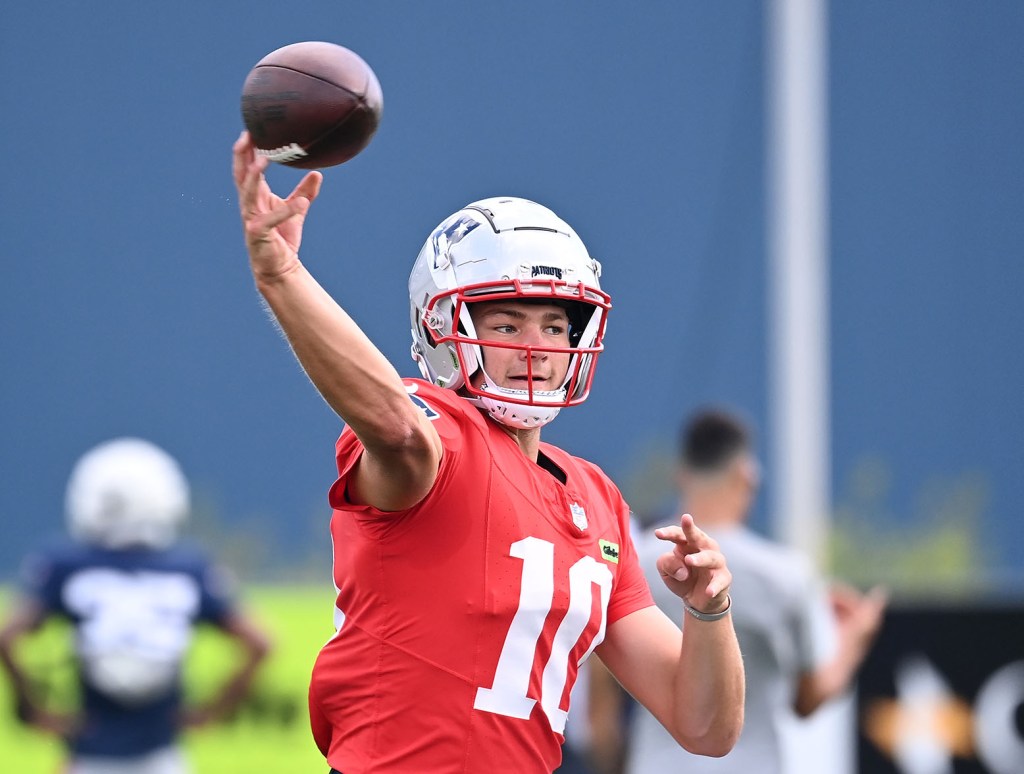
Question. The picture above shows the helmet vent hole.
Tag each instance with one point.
(536, 228)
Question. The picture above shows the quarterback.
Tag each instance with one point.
(476, 566)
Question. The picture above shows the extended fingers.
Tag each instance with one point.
(261, 210)
(241, 157)
(670, 534)
(260, 225)
(694, 534)
(687, 534)
(677, 532)
(713, 563)
(297, 203)
(308, 188)
(706, 559)
(253, 193)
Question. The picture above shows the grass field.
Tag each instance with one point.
(269, 734)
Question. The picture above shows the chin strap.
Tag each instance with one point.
(518, 415)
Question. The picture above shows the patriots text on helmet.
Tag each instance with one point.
(546, 271)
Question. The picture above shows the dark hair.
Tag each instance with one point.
(711, 439)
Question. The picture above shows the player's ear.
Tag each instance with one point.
(749, 469)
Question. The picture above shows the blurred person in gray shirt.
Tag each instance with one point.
(802, 641)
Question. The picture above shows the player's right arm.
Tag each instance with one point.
(402, 448)
(25, 618)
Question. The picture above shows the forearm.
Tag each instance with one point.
(605, 706)
(27, 708)
(25, 618)
(235, 689)
(17, 677)
(859, 619)
(830, 680)
(708, 713)
(256, 647)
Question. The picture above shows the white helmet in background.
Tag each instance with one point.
(504, 248)
(127, 492)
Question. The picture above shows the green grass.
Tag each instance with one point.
(270, 733)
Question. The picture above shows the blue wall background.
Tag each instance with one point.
(127, 306)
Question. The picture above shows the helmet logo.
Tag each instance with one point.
(546, 271)
(449, 234)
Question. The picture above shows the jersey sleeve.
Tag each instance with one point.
(217, 590)
(448, 412)
(40, 581)
(217, 593)
(631, 592)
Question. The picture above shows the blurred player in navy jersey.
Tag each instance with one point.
(134, 595)
(476, 566)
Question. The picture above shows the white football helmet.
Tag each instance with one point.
(127, 492)
(497, 249)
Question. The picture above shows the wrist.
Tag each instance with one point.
(716, 615)
(268, 276)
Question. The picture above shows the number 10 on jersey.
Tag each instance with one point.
(508, 693)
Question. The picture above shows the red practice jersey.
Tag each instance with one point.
(463, 620)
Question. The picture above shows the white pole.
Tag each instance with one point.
(798, 275)
(799, 339)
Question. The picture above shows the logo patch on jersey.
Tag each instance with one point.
(422, 404)
(609, 551)
(579, 516)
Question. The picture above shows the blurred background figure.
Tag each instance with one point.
(134, 594)
(802, 642)
(596, 726)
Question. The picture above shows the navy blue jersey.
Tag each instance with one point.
(134, 612)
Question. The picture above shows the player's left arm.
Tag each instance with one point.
(691, 680)
(256, 647)
(858, 619)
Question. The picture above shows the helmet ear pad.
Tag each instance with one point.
(433, 347)
(579, 316)
(471, 356)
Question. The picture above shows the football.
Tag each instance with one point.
(311, 105)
